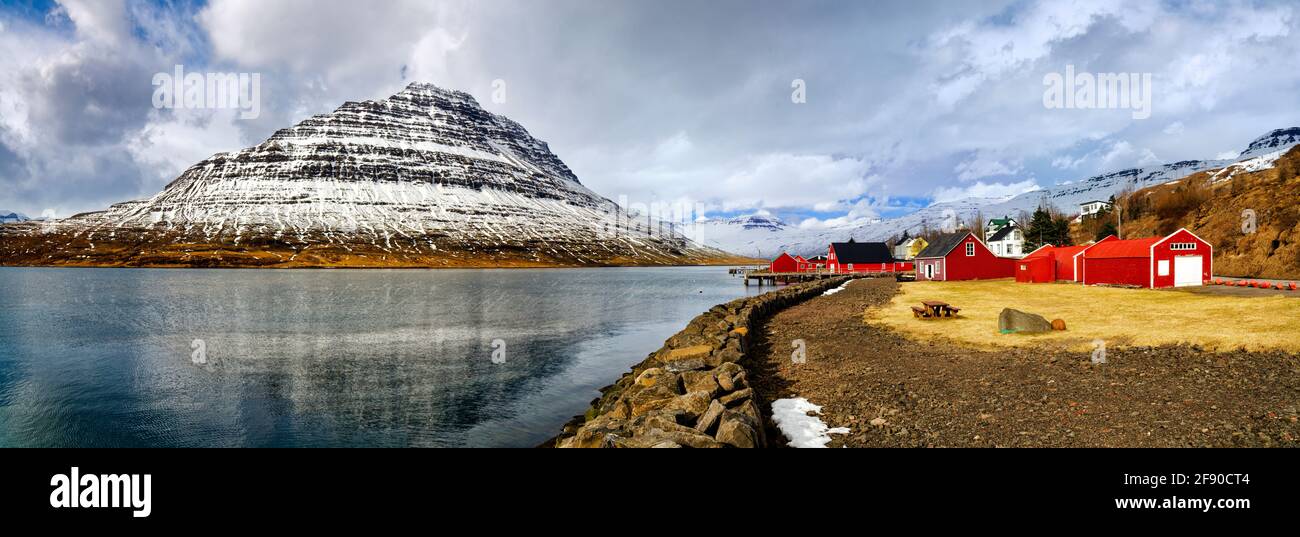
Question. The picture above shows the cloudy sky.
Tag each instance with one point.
(907, 103)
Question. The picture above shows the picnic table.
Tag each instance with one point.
(934, 309)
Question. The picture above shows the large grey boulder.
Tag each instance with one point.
(1020, 322)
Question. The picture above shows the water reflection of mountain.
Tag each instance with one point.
(394, 358)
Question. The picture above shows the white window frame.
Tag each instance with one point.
(1162, 267)
(1182, 246)
(970, 249)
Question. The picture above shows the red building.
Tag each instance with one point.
(815, 264)
(1069, 263)
(854, 256)
(961, 256)
(1179, 260)
(1038, 267)
(1053, 263)
(784, 263)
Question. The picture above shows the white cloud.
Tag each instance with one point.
(1123, 154)
(988, 51)
(982, 165)
(801, 180)
(984, 190)
(99, 20)
(336, 39)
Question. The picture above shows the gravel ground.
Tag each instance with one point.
(894, 392)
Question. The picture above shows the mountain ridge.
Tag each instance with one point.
(768, 243)
(425, 177)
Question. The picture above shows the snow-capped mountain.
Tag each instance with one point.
(10, 216)
(1278, 140)
(735, 235)
(424, 177)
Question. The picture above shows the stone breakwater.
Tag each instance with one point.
(692, 392)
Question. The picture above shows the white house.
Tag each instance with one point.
(1092, 208)
(1007, 241)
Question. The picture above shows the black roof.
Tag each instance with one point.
(862, 252)
(1002, 233)
(941, 245)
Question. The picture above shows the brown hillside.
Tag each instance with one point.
(1212, 204)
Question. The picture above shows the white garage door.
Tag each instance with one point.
(1187, 271)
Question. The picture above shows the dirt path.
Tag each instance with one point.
(893, 392)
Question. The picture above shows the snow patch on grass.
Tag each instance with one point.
(798, 422)
(837, 289)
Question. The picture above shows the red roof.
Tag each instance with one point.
(1041, 252)
(1061, 252)
(1068, 252)
(1125, 248)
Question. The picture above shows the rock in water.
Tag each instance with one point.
(425, 177)
(1016, 321)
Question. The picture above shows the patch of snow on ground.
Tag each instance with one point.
(837, 289)
(799, 427)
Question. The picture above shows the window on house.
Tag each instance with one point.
(1162, 268)
(970, 249)
(1182, 246)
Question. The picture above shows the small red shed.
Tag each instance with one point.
(1179, 260)
(961, 256)
(1037, 267)
(784, 263)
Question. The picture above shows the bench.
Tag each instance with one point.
(920, 312)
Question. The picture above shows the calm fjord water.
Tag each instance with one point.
(107, 357)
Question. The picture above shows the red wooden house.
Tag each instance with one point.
(1179, 260)
(784, 263)
(961, 256)
(852, 256)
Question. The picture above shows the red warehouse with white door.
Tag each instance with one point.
(1179, 260)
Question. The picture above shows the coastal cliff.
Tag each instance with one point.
(694, 391)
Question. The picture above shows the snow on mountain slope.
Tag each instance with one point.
(734, 236)
(10, 216)
(1278, 140)
(424, 173)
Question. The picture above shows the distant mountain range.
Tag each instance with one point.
(423, 178)
(10, 216)
(767, 236)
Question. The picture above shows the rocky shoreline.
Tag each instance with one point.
(694, 391)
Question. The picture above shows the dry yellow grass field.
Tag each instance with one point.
(1120, 317)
